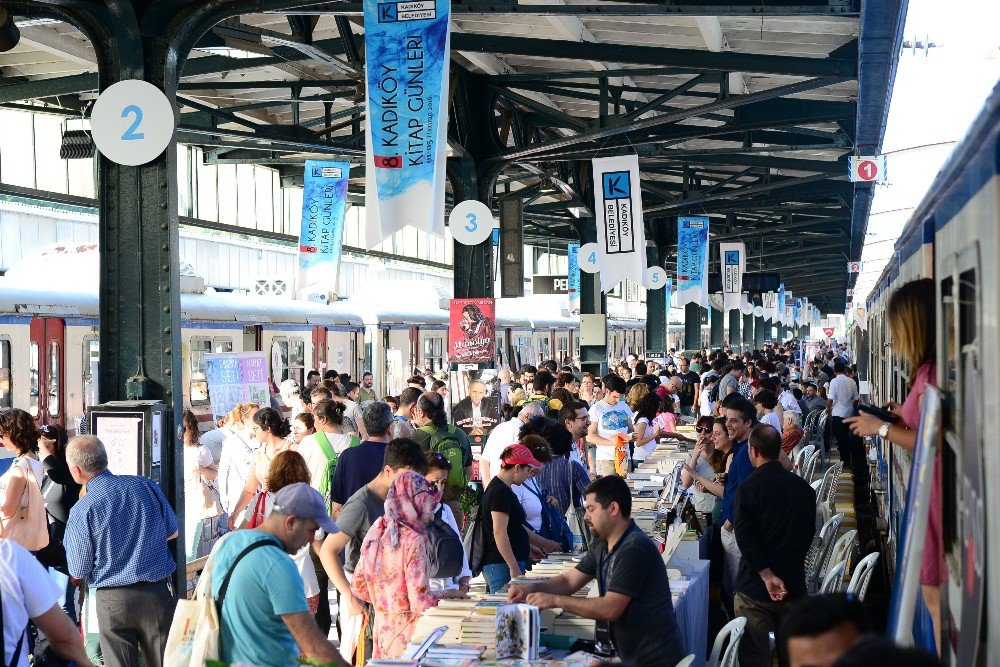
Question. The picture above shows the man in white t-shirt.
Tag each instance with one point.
(503, 436)
(609, 417)
(28, 592)
(842, 399)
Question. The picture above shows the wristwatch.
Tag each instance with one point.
(883, 430)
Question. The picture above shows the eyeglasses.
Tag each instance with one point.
(703, 429)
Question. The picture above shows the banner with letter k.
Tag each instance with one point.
(621, 237)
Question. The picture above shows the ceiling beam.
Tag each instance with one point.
(636, 8)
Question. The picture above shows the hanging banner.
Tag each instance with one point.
(670, 293)
(621, 238)
(816, 317)
(733, 257)
(573, 277)
(471, 331)
(692, 261)
(780, 314)
(789, 311)
(236, 377)
(770, 306)
(407, 54)
(321, 235)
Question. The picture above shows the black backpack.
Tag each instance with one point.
(445, 550)
(473, 542)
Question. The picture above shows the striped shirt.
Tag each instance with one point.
(117, 533)
(554, 480)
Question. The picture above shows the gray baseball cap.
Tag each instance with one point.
(303, 501)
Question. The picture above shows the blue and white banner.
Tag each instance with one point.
(670, 294)
(692, 261)
(621, 236)
(770, 306)
(407, 53)
(797, 312)
(321, 234)
(780, 315)
(573, 278)
(733, 256)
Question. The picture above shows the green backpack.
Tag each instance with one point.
(444, 442)
(332, 457)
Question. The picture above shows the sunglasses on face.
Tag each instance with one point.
(703, 429)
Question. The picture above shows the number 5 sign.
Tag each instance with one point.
(132, 122)
(867, 169)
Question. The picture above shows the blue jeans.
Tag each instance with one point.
(498, 574)
(67, 596)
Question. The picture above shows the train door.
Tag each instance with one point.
(253, 338)
(319, 350)
(45, 370)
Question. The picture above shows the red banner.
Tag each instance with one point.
(472, 331)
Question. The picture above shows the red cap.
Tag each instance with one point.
(521, 456)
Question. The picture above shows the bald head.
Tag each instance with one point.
(674, 385)
(86, 457)
(530, 410)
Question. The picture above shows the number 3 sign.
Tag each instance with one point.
(471, 222)
(132, 122)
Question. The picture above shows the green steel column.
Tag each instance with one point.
(692, 326)
(473, 276)
(735, 337)
(748, 333)
(593, 357)
(782, 334)
(656, 311)
(717, 323)
(760, 326)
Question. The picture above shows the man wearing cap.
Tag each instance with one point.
(264, 616)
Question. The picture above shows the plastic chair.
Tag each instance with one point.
(843, 547)
(733, 630)
(819, 556)
(802, 457)
(862, 576)
(834, 579)
(686, 662)
(811, 466)
(831, 479)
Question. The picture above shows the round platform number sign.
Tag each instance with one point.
(588, 258)
(132, 122)
(471, 222)
(758, 311)
(656, 277)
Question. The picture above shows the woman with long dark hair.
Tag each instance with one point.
(19, 435)
(272, 431)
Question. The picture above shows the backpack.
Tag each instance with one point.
(445, 442)
(332, 458)
(554, 526)
(445, 550)
(473, 542)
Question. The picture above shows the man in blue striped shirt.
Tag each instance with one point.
(117, 541)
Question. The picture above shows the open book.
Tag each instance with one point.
(518, 631)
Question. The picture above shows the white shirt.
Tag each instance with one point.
(19, 464)
(234, 468)
(530, 502)
(28, 592)
(194, 457)
(315, 458)
(501, 437)
(843, 392)
(642, 453)
(214, 440)
(703, 500)
(451, 583)
(771, 419)
(611, 420)
(788, 402)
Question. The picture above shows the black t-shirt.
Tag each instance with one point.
(646, 634)
(689, 379)
(499, 498)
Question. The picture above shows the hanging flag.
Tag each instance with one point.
(621, 238)
(770, 306)
(733, 262)
(407, 55)
(670, 293)
(321, 233)
(573, 277)
(780, 314)
(692, 261)
(789, 312)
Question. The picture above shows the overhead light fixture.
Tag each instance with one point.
(9, 33)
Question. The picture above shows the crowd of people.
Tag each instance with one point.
(348, 511)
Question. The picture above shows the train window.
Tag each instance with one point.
(279, 360)
(296, 360)
(55, 366)
(91, 358)
(33, 379)
(6, 398)
(544, 348)
(434, 353)
(222, 345)
(199, 381)
(562, 349)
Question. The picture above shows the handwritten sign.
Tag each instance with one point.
(236, 377)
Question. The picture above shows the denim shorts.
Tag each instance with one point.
(498, 574)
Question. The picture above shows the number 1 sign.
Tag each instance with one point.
(868, 169)
(132, 122)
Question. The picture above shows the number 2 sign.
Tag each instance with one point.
(132, 122)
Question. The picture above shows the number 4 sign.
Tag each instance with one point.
(132, 122)
(867, 169)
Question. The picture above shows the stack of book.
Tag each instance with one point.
(448, 613)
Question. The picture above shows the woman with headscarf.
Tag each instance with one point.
(392, 572)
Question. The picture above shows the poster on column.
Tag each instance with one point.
(407, 47)
(475, 404)
(573, 278)
(472, 331)
(621, 237)
(692, 261)
(236, 377)
(733, 262)
(321, 236)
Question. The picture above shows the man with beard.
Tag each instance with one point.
(634, 599)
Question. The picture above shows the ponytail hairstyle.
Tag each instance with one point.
(240, 413)
(330, 411)
(271, 421)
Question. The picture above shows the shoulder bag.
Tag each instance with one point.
(28, 526)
